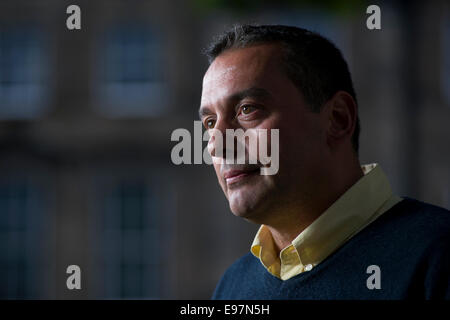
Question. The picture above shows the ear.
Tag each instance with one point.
(342, 117)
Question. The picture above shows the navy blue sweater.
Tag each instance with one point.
(410, 243)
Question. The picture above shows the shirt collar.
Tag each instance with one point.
(357, 207)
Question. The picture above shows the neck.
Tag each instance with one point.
(297, 216)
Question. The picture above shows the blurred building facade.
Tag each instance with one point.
(86, 118)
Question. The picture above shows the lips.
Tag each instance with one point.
(234, 176)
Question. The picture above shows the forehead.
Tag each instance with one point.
(238, 69)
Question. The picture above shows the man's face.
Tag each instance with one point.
(247, 88)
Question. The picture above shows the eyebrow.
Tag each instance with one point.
(252, 92)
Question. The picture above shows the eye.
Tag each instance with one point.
(247, 109)
(209, 123)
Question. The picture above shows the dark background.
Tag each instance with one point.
(86, 116)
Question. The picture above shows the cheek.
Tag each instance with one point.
(219, 177)
(302, 145)
(268, 126)
(299, 137)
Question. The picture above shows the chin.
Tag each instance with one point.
(241, 211)
(250, 206)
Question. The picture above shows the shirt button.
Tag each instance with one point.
(308, 267)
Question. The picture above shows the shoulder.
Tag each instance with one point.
(417, 220)
(427, 208)
(241, 266)
(409, 231)
(431, 226)
(425, 225)
(413, 231)
(235, 276)
(243, 263)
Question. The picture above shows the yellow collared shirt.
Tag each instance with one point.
(360, 205)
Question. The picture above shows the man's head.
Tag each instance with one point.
(286, 78)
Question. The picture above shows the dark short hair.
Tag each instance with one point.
(312, 62)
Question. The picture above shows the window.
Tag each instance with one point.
(20, 239)
(130, 245)
(22, 73)
(132, 79)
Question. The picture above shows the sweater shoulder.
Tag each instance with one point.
(423, 220)
(419, 206)
(428, 234)
(235, 276)
(242, 265)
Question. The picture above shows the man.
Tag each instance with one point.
(330, 228)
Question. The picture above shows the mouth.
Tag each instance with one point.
(233, 177)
